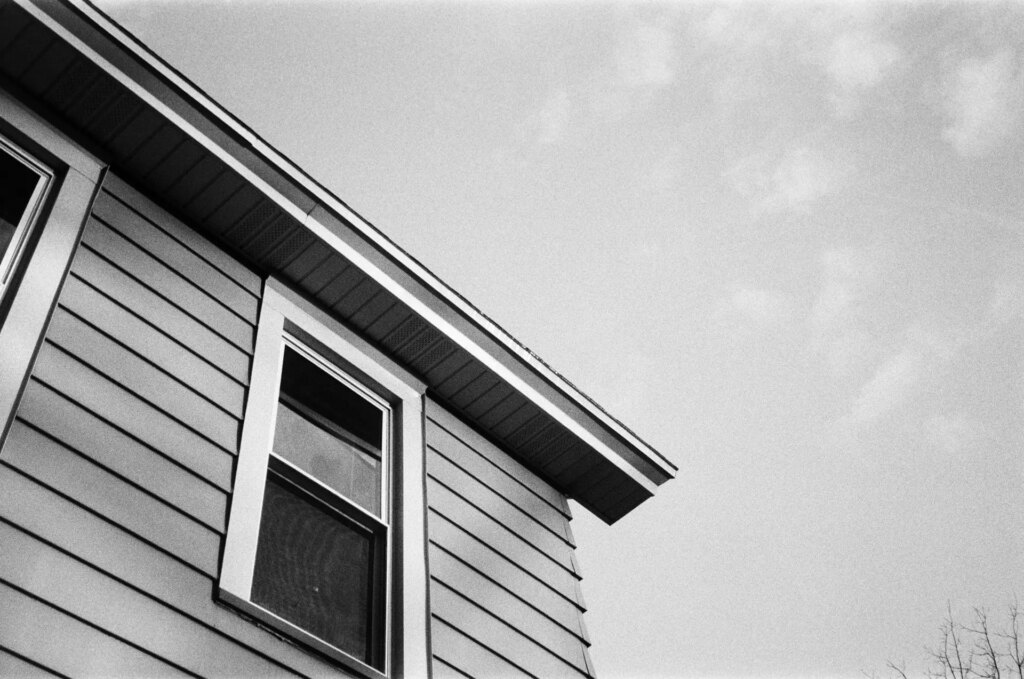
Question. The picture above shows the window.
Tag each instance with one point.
(331, 442)
(47, 184)
(23, 183)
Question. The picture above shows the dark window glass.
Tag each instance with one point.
(17, 182)
(316, 570)
(330, 431)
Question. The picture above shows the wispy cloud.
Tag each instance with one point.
(848, 275)
(760, 306)
(793, 183)
(955, 432)
(551, 121)
(856, 62)
(921, 354)
(891, 384)
(984, 100)
(646, 55)
(850, 279)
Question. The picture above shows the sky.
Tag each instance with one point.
(783, 242)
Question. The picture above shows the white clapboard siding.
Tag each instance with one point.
(504, 583)
(115, 477)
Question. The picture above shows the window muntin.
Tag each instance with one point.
(322, 548)
(23, 183)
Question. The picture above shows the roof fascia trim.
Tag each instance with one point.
(292, 174)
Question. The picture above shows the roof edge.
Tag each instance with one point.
(287, 184)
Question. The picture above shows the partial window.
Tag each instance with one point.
(322, 548)
(23, 183)
(315, 515)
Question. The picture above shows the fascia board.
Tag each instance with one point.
(88, 30)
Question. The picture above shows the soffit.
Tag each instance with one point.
(214, 195)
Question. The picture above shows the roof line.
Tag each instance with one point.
(291, 172)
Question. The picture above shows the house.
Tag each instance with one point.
(243, 433)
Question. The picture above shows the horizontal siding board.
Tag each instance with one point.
(117, 553)
(164, 315)
(143, 379)
(14, 666)
(240, 274)
(493, 633)
(70, 474)
(70, 647)
(493, 466)
(464, 653)
(77, 428)
(440, 669)
(499, 508)
(124, 326)
(168, 283)
(176, 256)
(563, 641)
(456, 509)
(113, 403)
(560, 603)
(122, 611)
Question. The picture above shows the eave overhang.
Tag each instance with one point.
(163, 133)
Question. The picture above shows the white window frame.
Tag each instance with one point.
(288, 319)
(29, 218)
(34, 279)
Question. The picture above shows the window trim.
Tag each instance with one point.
(30, 217)
(288, 318)
(27, 302)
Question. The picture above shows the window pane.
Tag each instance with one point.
(17, 182)
(315, 570)
(330, 431)
(331, 460)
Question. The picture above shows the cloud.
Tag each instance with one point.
(848, 277)
(800, 178)
(1006, 305)
(646, 56)
(983, 100)
(552, 120)
(762, 307)
(954, 433)
(856, 62)
(896, 379)
(849, 280)
(891, 384)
